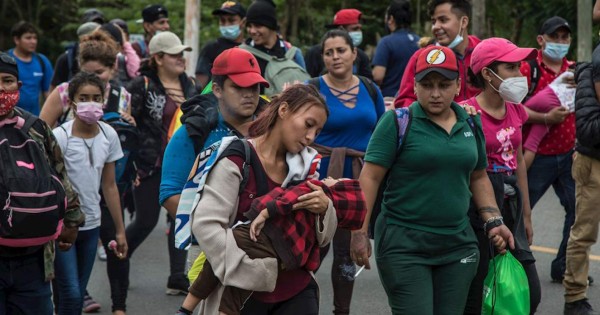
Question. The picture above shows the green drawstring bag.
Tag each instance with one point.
(505, 288)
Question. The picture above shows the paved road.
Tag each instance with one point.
(149, 273)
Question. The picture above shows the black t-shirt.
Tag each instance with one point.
(315, 66)
(209, 53)
(61, 67)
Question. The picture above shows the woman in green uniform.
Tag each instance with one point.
(426, 251)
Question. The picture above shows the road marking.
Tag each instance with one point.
(549, 250)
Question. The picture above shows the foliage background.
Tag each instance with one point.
(302, 21)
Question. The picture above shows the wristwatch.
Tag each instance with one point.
(492, 223)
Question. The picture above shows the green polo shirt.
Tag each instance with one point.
(428, 185)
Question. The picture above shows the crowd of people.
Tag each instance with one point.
(437, 148)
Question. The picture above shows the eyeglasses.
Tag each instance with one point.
(6, 58)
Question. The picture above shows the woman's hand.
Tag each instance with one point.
(258, 223)
(471, 110)
(501, 236)
(122, 248)
(67, 238)
(127, 117)
(315, 202)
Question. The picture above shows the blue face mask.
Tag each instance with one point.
(357, 38)
(457, 40)
(556, 51)
(230, 31)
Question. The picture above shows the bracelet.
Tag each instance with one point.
(492, 223)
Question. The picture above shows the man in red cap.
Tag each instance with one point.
(348, 20)
(236, 80)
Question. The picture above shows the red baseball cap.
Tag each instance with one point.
(498, 49)
(440, 59)
(346, 17)
(240, 66)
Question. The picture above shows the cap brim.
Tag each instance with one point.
(225, 11)
(554, 28)
(448, 74)
(248, 79)
(177, 49)
(518, 55)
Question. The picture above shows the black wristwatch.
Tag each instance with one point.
(492, 223)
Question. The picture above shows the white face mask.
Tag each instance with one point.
(512, 90)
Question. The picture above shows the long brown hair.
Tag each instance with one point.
(296, 97)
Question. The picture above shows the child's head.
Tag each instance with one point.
(86, 87)
(86, 95)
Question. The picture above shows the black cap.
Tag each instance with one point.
(121, 23)
(262, 12)
(114, 32)
(552, 24)
(8, 64)
(231, 7)
(154, 12)
(93, 15)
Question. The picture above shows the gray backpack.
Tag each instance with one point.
(279, 71)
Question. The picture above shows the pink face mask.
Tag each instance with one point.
(8, 101)
(89, 112)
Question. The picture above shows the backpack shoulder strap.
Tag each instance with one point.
(291, 52)
(242, 148)
(316, 82)
(30, 122)
(534, 74)
(257, 53)
(70, 61)
(368, 83)
(42, 64)
(114, 95)
(403, 121)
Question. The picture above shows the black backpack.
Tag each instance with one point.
(129, 140)
(34, 197)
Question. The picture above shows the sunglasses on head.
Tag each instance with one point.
(8, 59)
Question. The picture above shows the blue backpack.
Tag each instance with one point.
(129, 139)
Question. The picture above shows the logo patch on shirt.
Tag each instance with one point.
(38, 74)
(468, 134)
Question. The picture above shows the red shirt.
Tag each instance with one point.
(561, 137)
(289, 283)
(406, 92)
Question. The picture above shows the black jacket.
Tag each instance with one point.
(147, 106)
(587, 113)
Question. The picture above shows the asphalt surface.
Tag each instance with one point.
(150, 269)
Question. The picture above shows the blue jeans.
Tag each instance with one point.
(73, 270)
(555, 171)
(23, 288)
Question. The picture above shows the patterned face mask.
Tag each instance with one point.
(8, 101)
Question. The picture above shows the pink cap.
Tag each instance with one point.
(498, 49)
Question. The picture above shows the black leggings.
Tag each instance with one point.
(304, 303)
(342, 271)
(474, 300)
(147, 212)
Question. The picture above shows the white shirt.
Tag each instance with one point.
(85, 177)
